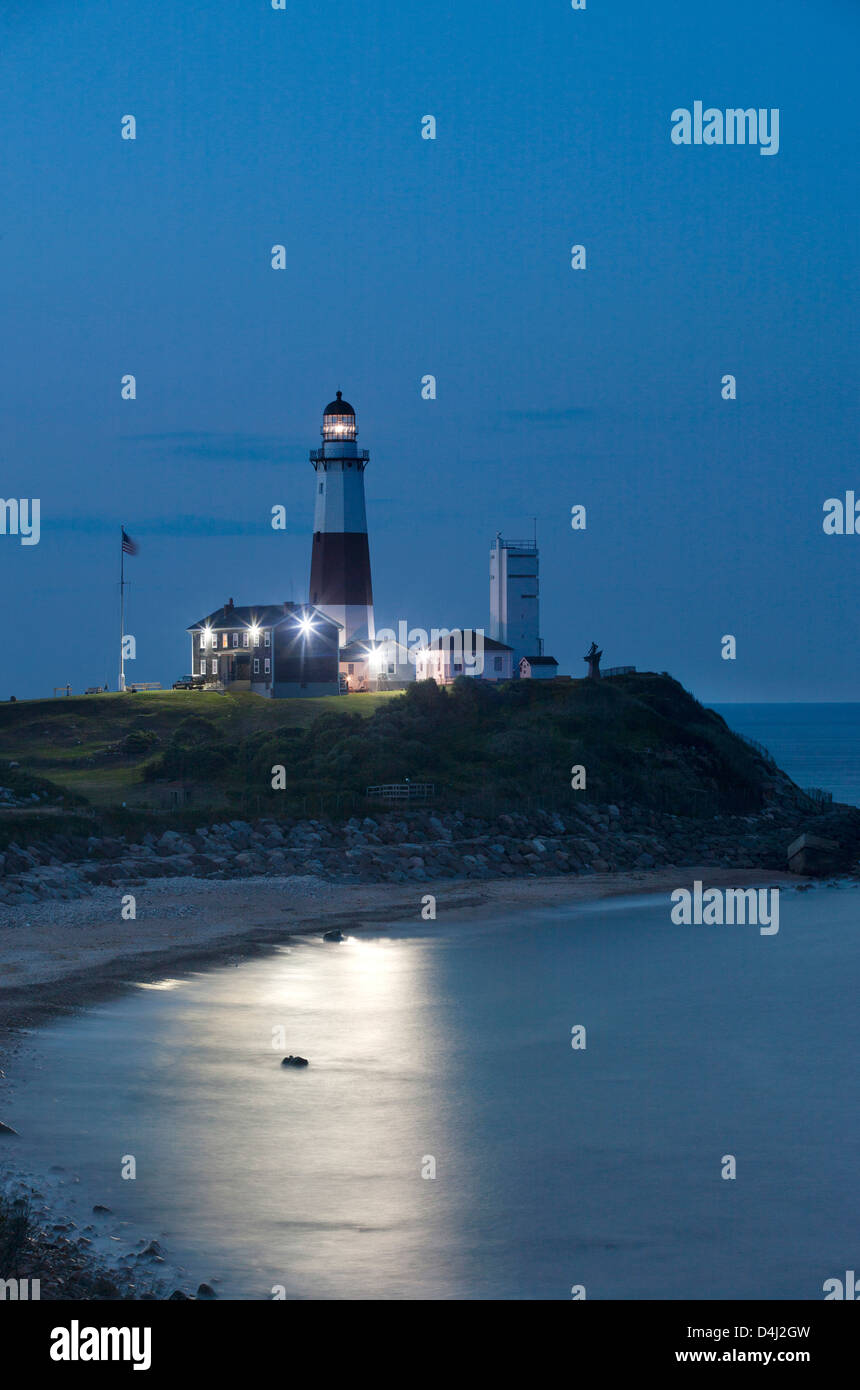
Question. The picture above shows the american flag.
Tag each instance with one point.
(129, 547)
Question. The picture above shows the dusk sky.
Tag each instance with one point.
(407, 257)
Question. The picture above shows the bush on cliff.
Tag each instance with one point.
(640, 738)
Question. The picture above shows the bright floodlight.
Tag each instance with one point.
(306, 626)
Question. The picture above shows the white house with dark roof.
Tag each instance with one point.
(464, 652)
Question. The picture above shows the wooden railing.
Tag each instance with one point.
(402, 791)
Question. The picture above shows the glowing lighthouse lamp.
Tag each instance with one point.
(337, 425)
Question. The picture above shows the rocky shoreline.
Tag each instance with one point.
(57, 1261)
(424, 845)
(41, 1248)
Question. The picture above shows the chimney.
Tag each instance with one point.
(229, 604)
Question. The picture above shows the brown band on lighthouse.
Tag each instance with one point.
(340, 569)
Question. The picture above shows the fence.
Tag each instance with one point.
(759, 748)
(818, 795)
(619, 671)
(402, 791)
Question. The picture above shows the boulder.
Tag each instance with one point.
(292, 1061)
(812, 854)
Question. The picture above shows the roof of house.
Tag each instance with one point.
(362, 648)
(540, 660)
(476, 637)
(358, 651)
(260, 615)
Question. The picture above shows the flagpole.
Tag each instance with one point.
(121, 611)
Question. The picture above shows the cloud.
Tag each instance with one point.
(238, 448)
(177, 526)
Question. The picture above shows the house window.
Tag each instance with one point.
(391, 668)
(256, 666)
(350, 668)
(268, 639)
(214, 665)
(497, 663)
(268, 665)
(223, 639)
(458, 667)
(203, 667)
(235, 639)
(257, 638)
(246, 639)
(321, 487)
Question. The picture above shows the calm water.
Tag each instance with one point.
(817, 745)
(553, 1167)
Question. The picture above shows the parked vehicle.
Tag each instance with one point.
(189, 683)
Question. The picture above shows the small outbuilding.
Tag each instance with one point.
(538, 668)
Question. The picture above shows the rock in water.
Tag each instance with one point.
(292, 1061)
(206, 1291)
(7, 1129)
(334, 935)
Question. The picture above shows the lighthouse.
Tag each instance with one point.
(340, 560)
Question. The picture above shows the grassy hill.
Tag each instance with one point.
(641, 738)
(99, 746)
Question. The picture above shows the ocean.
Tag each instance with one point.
(817, 745)
(446, 1140)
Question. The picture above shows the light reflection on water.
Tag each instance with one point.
(553, 1167)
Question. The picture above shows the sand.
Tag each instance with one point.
(59, 956)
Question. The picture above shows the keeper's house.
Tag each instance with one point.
(278, 650)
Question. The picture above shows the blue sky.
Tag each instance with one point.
(450, 257)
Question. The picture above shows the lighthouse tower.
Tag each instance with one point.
(340, 560)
